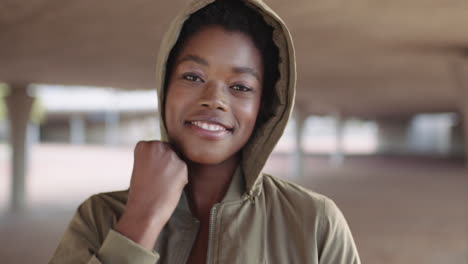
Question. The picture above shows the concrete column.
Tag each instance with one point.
(430, 134)
(3, 129)
(112, 127)
(457, 142)
(34, 133)
(461, 78)
(393, 133)
(465, 128)
(298, 155)
(77, 129)
(19, 105)
(337, 156)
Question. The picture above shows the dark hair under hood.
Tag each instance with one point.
(280, 98)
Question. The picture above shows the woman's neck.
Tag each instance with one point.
(208, 184)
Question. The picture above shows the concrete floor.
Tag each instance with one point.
(399, 210)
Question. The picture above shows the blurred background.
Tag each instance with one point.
(380, 124)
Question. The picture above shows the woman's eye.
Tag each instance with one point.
(192, 77)
(241, 88)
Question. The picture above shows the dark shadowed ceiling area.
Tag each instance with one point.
(360, 58)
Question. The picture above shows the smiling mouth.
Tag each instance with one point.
(210, 126)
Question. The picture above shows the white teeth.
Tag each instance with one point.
(208, 126)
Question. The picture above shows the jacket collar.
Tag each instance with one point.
(235, 192)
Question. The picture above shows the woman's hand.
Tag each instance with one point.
(158, 179)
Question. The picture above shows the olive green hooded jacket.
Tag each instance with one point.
(261, 219)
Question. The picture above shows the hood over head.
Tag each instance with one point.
(265, 136)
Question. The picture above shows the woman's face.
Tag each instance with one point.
(213, 95)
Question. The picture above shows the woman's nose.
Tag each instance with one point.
(214, 96)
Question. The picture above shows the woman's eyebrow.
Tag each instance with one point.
(193, 58)
(247, 70)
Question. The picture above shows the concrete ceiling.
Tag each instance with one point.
(361, 58)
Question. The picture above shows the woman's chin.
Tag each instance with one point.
(205, 158)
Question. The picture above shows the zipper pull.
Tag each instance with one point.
(249, 196)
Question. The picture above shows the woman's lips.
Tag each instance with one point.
(209, 130)
(208, 125)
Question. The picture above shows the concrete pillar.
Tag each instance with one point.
(393, 133)
(77, 129)
(34, 133)
(298, 155)
(337, 156)
(461, 78)
(430, 134)
(3, 129)
(19, 105)
(465, 128)
(458, 142)
(112, 127)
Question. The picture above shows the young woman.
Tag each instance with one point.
(226, 77)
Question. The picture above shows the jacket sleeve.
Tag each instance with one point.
(83, 243)
(337, 244)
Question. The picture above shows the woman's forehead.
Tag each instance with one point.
(214, 45)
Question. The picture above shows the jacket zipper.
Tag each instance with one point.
(209, 253)
(210, 235)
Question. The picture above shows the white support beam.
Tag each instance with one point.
(19, 105)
